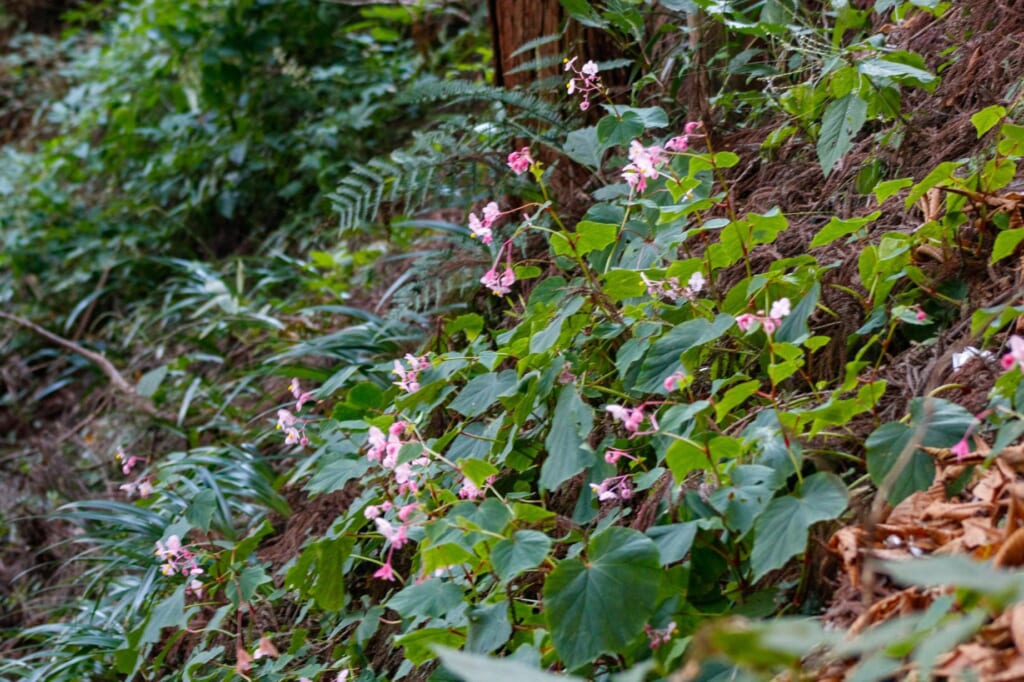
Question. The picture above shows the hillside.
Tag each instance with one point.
(691, 354)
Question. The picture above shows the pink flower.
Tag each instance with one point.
(292, 436)
(630, 418)
(779, 309)
(285, 419)
(371, 512)
(1016, 354)
(673, 381)
(265, 648)
(614, 488)
(657, 637)
(385, 572)
(644, 164)
(612, 456)
(301, 397)
(407, 510)
(961, 449)
(377, 443)
(921, 315)
(692, 127)
(520, 161)
(680, 143)
(746, 321)
(499, 285)
(408, 379)
(479, 229)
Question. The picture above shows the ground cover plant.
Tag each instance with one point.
(326, 359)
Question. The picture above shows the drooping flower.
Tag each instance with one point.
(614, 488)
(520, 161)
(746, 321)
(385, 572)
(674, 381)
(961, 449)
(643, 166)
(612, 456)
(499, 284)
(285, 419)
(1016, 354)
(481, 227)
(658, 636)
(631, 418)
(302, 397)
(408, 379)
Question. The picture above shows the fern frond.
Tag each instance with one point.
(456, 91)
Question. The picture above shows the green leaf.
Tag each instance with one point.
(418, 646)
(885, 70)
(987, 118)
(651, 117)
(794, 327)
(663, 356)
(335, 472)
(474, 668)
(619, 132)
(150, 381)
(598, 606)
(431, 598)
(444, 555)
(489, 628)
(200, 510)
(734, 397)
(682, 457)
(168, 612)
(523, 551)
(939, 424)
(780, 533)
(477, 470)
(329, 588)
(959, 571)
(938, 176)
(566, 442)
(583, 147)
(594, 236)
(470, 324)
(481, 392)
(842, 120)
(673, 540)
(1006, 244)
(581, 11)
(836, 228)
(886, 189)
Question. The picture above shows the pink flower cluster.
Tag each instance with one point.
(585, 80)
(408, 379)
(658, 636)
(500, 285)
(385, 449)
(142, 488)
(481, 227)
(293, 427)
(127, 462)
(178, 559)
(644, 165)
(469, 491)
(681, 143)
(520, 161)
(632, 418)
(301, 397)
(614, 488)
(671, 289)
(770, 322)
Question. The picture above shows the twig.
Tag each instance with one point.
(98, 359)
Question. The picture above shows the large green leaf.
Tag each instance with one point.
(935, 423)
(523, 551)
(663, 356)
(481, 392)
(566, 443)
(781, 531)
(600, 605)
(336, 472)
(842, 120)
(432, 598)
